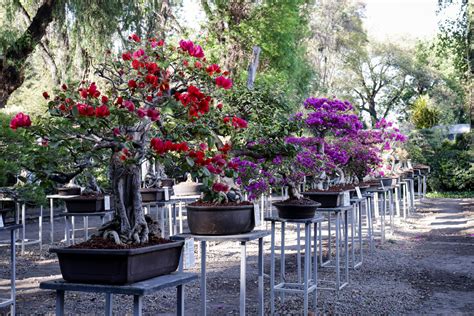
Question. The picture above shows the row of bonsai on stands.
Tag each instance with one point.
(165, 105)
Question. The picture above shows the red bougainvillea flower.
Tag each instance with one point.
(124, 154)
(129, 105)
(225, 149)
(153, 114)
(186, 45)
(116, 131)
(197, 64)
(132, 84)
(64, 87)
(102, 111)
(46, 95)
(196, 51)
(104, 99)
(138, 53)
(161, 147)
(237, 122)
(85, 109)
(214, 68)
(119, 101)
(126, 56)
(141, 113)
(20, 120)
(219, 106)
(135, 38)
(224, 82)
(220, 187)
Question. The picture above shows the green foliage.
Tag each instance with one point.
(279, 29)
(451, 195)
(424, 115)
(451, 162)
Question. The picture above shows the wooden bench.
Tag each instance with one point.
(138, 289)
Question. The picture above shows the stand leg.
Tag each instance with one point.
(23, 229)
(13, 272)
(203, 279)
(59, 303)
(137, 305)
(108, 304)
(86, 227)
(261, 309)
(282, 260)
(51, 220)
(315, 265)
(307, 264)
(338, 276)
(40, 228)
(272, 270)
(346, 241)
(298, 253)
(243, 272)
(180, 300)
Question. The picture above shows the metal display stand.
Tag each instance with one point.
(369, 222)
(382, 200)
(20, 218)
(309, 282)
(172, 217)
(243, 239)
(338, 213)
(357, 216)
(138, 290)
(12, 300)
(51, 210)
(70, 226)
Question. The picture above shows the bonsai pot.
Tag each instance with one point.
(168, 182)
(388, 182)
(326, 198)
(296, 210)
(85, 204)
(187, 188)
(152, 194)
(118, 266)
(220, 219)
(64, 191)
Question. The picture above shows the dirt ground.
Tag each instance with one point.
(425, 267)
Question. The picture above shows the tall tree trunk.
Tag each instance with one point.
(128, 202)
(12, 67)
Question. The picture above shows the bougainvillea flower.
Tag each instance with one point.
(102, 111)
(214, 68)
(153, 114)
(20, 120)
(220, 187)
(237, 122)
(224, 82)
(141, 113)
(135, 38)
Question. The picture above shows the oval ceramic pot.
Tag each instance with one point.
(220, 219)
(118, 266)
(65, 191)
(296, 211)
(85, 204)
(152, 194)
(327, 199)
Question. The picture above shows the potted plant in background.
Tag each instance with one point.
(161, 102)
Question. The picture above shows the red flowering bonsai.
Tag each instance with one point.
(158, 101)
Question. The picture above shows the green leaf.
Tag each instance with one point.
(190, 161)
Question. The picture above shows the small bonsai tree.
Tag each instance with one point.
(160, 102)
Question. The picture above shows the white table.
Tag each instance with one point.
(51, 210)
(20, 211)
(12, 300)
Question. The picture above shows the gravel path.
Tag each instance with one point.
(425, 267)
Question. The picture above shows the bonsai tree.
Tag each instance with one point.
(159, 102)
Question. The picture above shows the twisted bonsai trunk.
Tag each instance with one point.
(129, 224)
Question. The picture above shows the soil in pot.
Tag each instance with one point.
(85, 204)
(296, 208)
(101, 261)
(206, 218)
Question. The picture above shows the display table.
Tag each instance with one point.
(309, 282)
(70, 226)
(243, 239)
(338, 212)
(382, 199)
(138, 290)
(51, 198)
(12, 300)
(20, 218)
(172, 216)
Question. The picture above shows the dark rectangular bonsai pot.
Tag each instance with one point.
(64, 191)
(118, 266)
(152, 194)
(85, 204)
(327, 199)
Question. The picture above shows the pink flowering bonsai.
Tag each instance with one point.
(156, 102)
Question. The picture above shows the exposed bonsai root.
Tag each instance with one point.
(112, 234)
